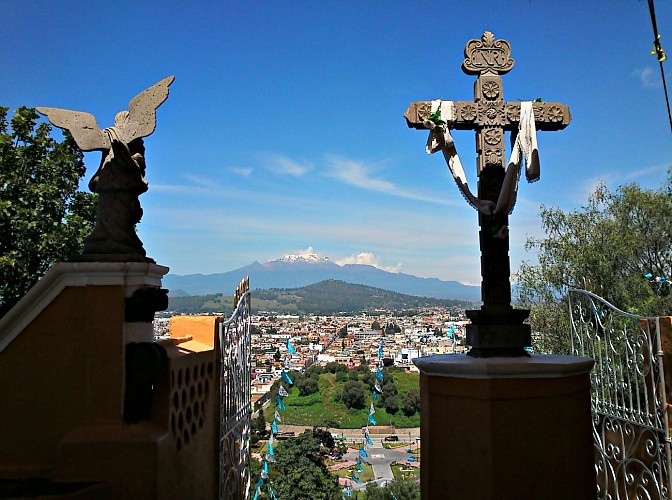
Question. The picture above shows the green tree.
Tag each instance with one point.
(325, 438)
(259, 423)
(43, 217)
(353, 395)
(300, 471)
(391, 403)
(389, 399)
(392, 328)
(607, 247)
(333, 367)
(341, 447)
(368, 378)
(375, 325)
(362, 368)
(403, 488)
(313, 371)
(307, 386)
(411, 403)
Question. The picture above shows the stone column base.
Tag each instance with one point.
(506, 428)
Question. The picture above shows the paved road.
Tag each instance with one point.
(380, 460)
(356, 435)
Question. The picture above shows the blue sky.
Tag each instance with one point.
(284, 127)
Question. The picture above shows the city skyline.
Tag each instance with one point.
(284, 130)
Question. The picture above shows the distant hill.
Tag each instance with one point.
(325, 297)
(298, 271)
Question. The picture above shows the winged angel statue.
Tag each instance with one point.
(120, 178)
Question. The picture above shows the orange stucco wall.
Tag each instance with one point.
(201, 328)
(62, 396)
(63, 371)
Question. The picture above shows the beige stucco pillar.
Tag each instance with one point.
(506, 428)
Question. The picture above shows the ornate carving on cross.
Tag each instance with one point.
(497, 328)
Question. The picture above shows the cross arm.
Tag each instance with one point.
(470, 115)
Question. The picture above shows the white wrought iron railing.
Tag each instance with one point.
(628, 398)
(235, 398)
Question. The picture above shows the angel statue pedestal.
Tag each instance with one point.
(499, 422)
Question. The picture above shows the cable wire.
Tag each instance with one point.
(660, 55)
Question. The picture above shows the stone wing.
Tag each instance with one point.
(82, 126)
(141, 120)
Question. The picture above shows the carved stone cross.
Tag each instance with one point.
(496, 329)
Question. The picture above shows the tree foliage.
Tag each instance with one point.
(259, 424)
(300, 471)
(411, 402)
(607, 247)
(307, 386)
(333, 367)
(408, 490)
(389, 399)
(43, 217)
(353, 394)
(392, 328)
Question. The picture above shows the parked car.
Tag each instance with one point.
(392, 438)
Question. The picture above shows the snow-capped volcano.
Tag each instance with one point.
(307, 257)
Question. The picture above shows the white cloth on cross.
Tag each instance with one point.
(525, 143)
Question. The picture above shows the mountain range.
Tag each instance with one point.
(295, 271)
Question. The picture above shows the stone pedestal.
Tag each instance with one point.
(506, 428)
(87, 411)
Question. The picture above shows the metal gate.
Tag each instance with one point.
(235, 392)
(628, 402)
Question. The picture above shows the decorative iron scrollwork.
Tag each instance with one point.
(235, 398)
(628, 398)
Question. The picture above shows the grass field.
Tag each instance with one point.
(403, 472)
(322, 407)
(365, 476)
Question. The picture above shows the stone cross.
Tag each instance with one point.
(497, 328)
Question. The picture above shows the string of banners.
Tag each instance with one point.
(269, 456)
(371, 420)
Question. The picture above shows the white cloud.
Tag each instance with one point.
(367, 258)
(613, 180)
(205, 182)
(647, 77)
(197, 185)
(639, 173)
(244, 171)
(360, 174)
(306, 252)
(285, 166)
